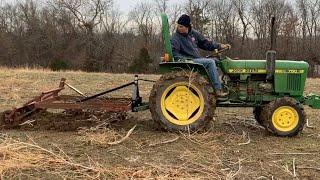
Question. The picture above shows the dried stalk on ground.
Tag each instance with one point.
(164, 142)
(124, 138)
(17, 156)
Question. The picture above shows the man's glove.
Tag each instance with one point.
(225, 46)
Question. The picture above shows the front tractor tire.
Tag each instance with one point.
(182, 101)
(283, 117)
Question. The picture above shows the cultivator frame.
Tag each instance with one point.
(52, 100)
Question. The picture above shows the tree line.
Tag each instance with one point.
(92, 35)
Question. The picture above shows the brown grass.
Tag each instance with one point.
(222, 152)
(17, 158)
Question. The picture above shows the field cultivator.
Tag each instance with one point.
(53, 100)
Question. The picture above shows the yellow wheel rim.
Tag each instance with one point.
(285, 118)
(182, 103)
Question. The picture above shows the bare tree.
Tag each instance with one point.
(242, 10)
(176, 12)
(87, 12)
(162, 5)
(197, 9)
(261, 13)
(223, 19)
(114, 22)
(142, 17)
(313, 11)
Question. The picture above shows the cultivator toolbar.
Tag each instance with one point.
(52, 100)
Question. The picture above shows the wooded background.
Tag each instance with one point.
(92, 35)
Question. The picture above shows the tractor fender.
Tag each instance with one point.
(167, 67)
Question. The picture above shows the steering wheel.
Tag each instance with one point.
(217, 52)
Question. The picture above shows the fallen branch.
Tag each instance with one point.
(164, 142)
(233, 114)
(261, 177)
(232, 176)
(230, 124)
(29, 122)
(124, 138)
(308, 126)
(249, 140)
(190, 139)
(286, 169)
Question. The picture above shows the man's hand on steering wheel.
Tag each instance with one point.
(217, 52)
(225, 46)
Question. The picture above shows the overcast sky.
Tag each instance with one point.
(126, 5)
(123, 5)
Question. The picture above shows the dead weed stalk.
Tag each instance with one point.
(16, 156)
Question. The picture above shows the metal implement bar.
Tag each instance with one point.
(147, 80)
(106, 92)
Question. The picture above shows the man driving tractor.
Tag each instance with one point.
(185, 43)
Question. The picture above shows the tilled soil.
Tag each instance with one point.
(65, 121)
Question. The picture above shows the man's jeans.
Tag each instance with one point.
(211, 67)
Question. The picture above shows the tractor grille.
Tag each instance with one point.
(294, 82)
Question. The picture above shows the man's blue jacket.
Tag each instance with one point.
(186, 45)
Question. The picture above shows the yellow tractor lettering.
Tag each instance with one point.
(263, 71)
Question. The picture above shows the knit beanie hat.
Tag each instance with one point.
(184, 20)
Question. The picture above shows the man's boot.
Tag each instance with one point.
(221, 95)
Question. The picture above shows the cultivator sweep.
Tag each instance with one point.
(53, 100)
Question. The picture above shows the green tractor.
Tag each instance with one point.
(183, 99)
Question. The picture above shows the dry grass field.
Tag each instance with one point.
(232, 147)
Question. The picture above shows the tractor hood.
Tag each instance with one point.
(259, 66)
(289, 78)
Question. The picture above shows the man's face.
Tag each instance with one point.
(182, 29)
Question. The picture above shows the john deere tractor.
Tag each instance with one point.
(184, 99)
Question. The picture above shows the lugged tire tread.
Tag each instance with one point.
(267, 111)
(195, 78)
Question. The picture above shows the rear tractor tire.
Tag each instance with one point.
(182, 101)
(283, 117)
